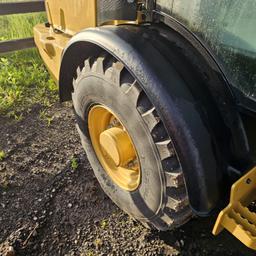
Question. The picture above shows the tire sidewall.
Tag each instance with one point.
(148, 199)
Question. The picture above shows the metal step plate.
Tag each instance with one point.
(237, 217)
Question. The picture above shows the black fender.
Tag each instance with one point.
(152, 53)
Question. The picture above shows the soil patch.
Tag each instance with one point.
(51, 206)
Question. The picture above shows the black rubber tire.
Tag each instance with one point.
(161, 200)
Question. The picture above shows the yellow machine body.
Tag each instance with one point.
(66, 17)
(71, 17)
(237, 217)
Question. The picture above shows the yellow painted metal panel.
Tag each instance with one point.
(50, 46)
(236, 217)
(71, 16)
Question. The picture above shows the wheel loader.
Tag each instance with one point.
(164, 94)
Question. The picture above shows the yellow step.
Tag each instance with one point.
(236, 217)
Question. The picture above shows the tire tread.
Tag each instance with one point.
(175, 209)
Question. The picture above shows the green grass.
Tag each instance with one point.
(2, 155)
(74, 163)
(24, 80)
(19, 26)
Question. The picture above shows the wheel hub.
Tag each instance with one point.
(117, 145)
(114, 148)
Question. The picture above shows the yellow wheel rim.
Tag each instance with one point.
(114, 148)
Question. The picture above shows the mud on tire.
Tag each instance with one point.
(161, 200)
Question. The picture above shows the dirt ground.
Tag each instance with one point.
(50, 206)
